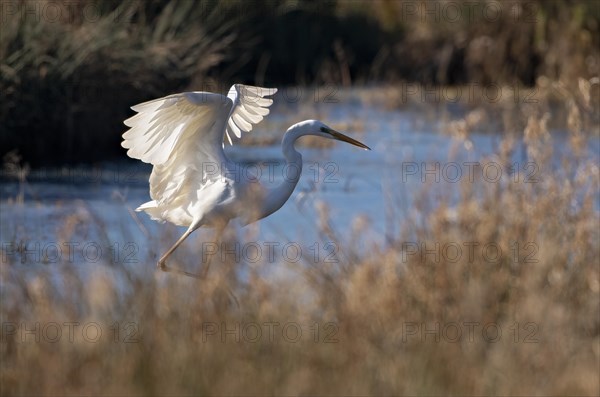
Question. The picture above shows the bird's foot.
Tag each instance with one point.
(162, 265)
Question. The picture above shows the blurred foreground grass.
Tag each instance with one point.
(379, 321)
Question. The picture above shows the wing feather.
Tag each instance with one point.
(161, 123)
(177, 134)
(231, 127)
(249, 108)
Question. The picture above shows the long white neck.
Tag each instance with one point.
(276, 197)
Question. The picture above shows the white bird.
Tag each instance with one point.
(193, 183)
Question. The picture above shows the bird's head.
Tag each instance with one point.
(315, 127)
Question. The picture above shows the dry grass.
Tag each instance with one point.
(70, 71)
(387, 319)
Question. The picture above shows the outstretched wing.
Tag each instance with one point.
(181, 135)
(249, 108)
(163, 127)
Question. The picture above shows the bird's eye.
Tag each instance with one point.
(323, 129)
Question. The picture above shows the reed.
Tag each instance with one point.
(384, 320)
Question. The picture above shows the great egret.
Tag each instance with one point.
(182, 136)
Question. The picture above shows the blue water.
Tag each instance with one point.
(84, 215)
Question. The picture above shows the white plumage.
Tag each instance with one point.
(182, 136)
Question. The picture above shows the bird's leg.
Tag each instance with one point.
(162, 261)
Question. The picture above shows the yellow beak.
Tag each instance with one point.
(344, 138)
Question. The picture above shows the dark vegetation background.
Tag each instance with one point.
(70, 71)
